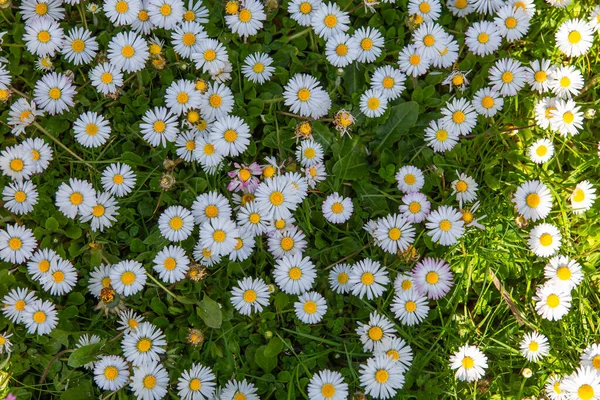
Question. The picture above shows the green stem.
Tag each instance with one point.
(58, 142)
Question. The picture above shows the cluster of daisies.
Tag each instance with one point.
(196, 119)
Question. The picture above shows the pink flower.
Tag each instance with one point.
(244, 177)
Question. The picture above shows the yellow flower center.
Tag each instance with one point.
(553, 301)
(328, 390)
(585, 392)
(406, 285)
(596, 362)
(367, 278)
(395, 234)
(468, 362)
(510, 22)
(54, 93)
(568, 117)
(211, 211)
(303, 94)
(111, 373)
(98, 210)
(127, 278)
(258, 68)
(563, 273)
(215, 100)
(78, 45)
(39, 317)
(337, 208)
(210, 55)
(487, 102)
(232, 7)
(20, 196)
(239, 396)
(17, 164)
(445, 225)
(144, 345)
(189, 16)
(143, 15)
(170, 264)
(287, 243)
(578, 195)
(106, 282)
(341, 50)
(91, 129)
(41, 9)
(276, 198)
(382, 376)
(424, 7)
(534, 346)
(127, 51)
(76, 198)
(330, 21)
(483, 38)
(428, 40)
(546, 239)
(219, 236)
(206, 253)
(432, 278)
(461, 186)
(441, 135)
(541, 150)
(249, 296)
(458, 80)
(295, 273)
(375, 333)
(209, 149)
(373, 103)
(176, 223)
(507, 77)
(342, 278)
(58, 276)
(44, 36)
(458, 117)
(305, 8)
(244, 174)
(574, 37)
(467, 216)
(230, 135)
(20, 305)
(460, 4)
(310, 307)
(280, 224)
(190, 145)
(541, 76)
(533, 200)
(122, 7)
(182, 98)
(565, 81)
(149, 382)
(165, 10)
(245, 15)
(195, 384)
(366, 44)
(393, 354)
(414, 59)
(239, 243)
(106, 78)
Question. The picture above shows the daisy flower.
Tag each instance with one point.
(487, 6)
(99, 279)
(40, 152)
(91, 129)
(337, 209)
(106, 78)
(149, 381)
(276, 197)
(235, 390)
(483, 38)
(591, 357)
(230, 135)
(166, 14)
(32, 10)
(249, 20)
(389, 81)
(185, 144)
(403, 282)
(310, 152)
(341, 50)
(445, 225)
(469, 363)
(534, 346)
(394, 234)
(539, 75)
(243, 248)
(566, 81)
(329, 20)
(563, 271)
(339, 278)
(20, 197)
(543, 108)
(370, 44)
(327, 385)
(305, 96)
(373, 103)
(251, 219)
(17, 163)
(310, 307)
(128, 51)
(14, 303)
(211, 205)
(81, 46)
(16, 244)
(368, 278)
(111, 373)
(5, 343)
(40, 317)
(595, 19)
(121, 12)
(396, 349)
(244, 178)
(416, 207)
(567, 119)
(381, 377)
(512, 22)
(129, 321)
(429, 39)
(186, 38)
(22, 114)
(181, 96)
(54, 93)
(440, 139)
(460, 8)
(432, 278)
(294, 274)
(250, 295)
(287, 241)
(412, 63)
(448, 53)
(144, 345)
(375, 332)
(207, 155)
(487, 102)
(428, 10)
(118, 179)
(128, 277)
(554, 389)
(196, 383)
(205, 256)
(465, 188)
(60, 279)
(541, 151)
(574, 37)
(257, 67)
(195, 12)
(211, 56)
(507, 76)
(552, 302)
(583, 384)
(171, 263)
(76, 197)
(410, 307)
(302, 10)
(315, 174)
(176, 223)
(459, 117)
(141, 23)
(217, 102)
(544, 240)
(410, 179)
(43, 37)
(583, 197)
(218, 235)
(159, 126)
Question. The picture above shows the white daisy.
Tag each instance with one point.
(368, 278)
(257, 66)
(373, 334)
(541, 151)
(243, 248)
(591, 357)
(339, 278)
(310, 307)
(40, 152)
(166, 14)
(22, 114)
(410, 307)
(544, 240)
(211, 56)
(389, 81)
(128, 51)
(487, 102)
(159, 126)
(287, 241)
(567, 119)
(302, 10)
(465, 188)
(554, 389)
(111, 373)
(207, 155)
(14, 303)
(381, 377)
(566, 81)
(76, 197)
(185, 144)
(250, 295)
(236, 390)
(574, 37)
(428, 10)
(533, 200)
(16, 244)
(507, 76)
(412, 63)
(329, 20)
(410, 179)
(91, 129)
(429, 39)
(305, 96)
(32, 10)
(370, 44)
(341, 50)
(564, 271)
(81, 47)
(171, 263)
(195, 11)
(373, 103)
(128, 277)
(20, 197)
(17, 163)
(176, 223)
(216, 102)
(460, 8)
(440, 139)
(396, 349)
(294, 274)
(249, 20)
(230, 135)
(512, 22)
(337, 209)
(54, 93)
(43, 37)
(149, 381)
(459, 117)
(539, 75)
(276, 197)
(118, 179)
(196, 383)
(99, 279)
(106, 78)
(141, 23)
(121, 12)
(60, 279)
(327, 385)
(144, 345)
(469, 362)
(534, 346)
(181, 96)
(432, 277)
(40, 317)
(205, 256)
(583, 384)
(415, 207)
(218, 235)
(210, 205)
(583, 197)
(403, 282)
(445, 225)
(394, 234)
(129, 321)
(543, 108)
(552, 301)
(186, 38)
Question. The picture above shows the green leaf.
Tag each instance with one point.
(402, 118)
(267, 364)
(354, 79)
(51, 224)
(274, 347)
(158, 306)
(79, 392)
(351, 161)
(210, 312)
(73, 232)
(84, 354)
(75, 298)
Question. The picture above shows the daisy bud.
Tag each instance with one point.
(590, 113)
(268, 334)
(5, 3)
(167, 181)
(527, 373)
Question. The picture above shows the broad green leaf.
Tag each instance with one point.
(85, 354)
(402, 118)
(351, 159)
(210, 312)
(274, 347)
